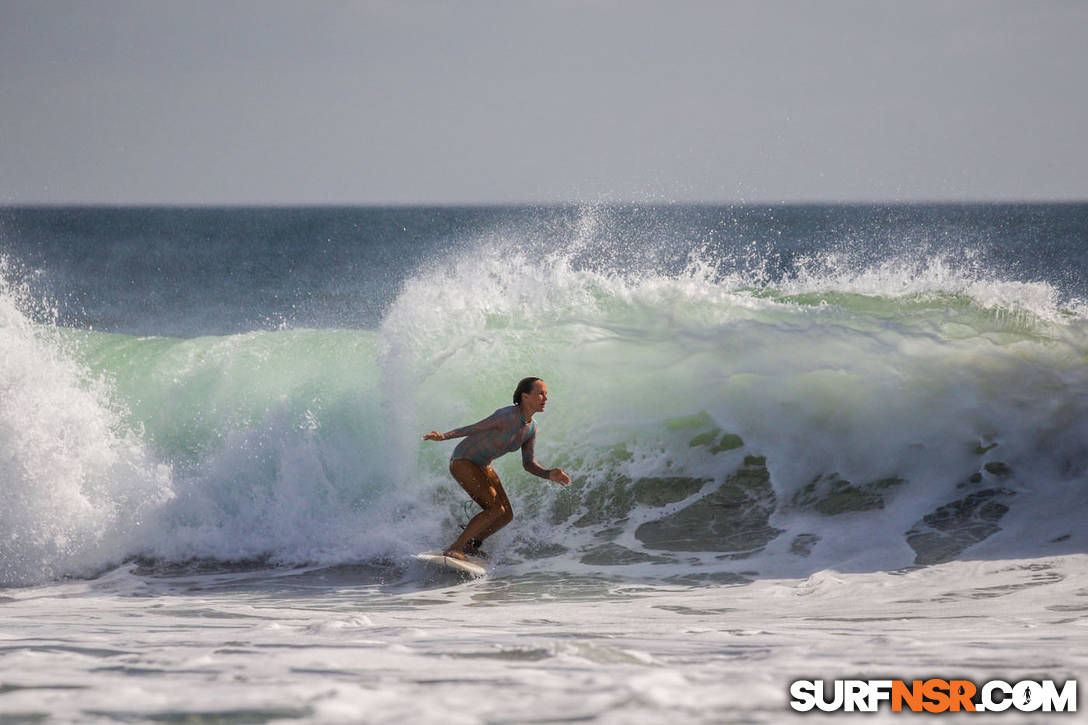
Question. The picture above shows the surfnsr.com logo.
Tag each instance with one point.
(933, 695)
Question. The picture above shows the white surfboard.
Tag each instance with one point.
(474, 566)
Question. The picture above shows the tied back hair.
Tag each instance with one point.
(525, 385)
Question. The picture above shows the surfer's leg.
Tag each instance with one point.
(485, 488)
(504, 504)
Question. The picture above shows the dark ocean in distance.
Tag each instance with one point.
(196, 271)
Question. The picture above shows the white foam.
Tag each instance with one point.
(80, 490)
(652, 653)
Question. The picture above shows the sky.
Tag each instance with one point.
(446, 102)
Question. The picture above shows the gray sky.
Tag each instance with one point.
(267, 101)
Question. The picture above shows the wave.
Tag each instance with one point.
(717, 422)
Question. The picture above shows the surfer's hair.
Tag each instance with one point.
(525, 385)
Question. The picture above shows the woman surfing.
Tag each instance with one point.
(503, 431)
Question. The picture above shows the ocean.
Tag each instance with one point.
(806, 442)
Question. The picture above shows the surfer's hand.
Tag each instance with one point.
(559, 476)
(434, 436)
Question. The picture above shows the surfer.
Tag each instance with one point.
(470, 465)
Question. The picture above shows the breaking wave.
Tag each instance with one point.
(719, 421)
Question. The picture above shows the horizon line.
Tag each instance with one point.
(528, 204)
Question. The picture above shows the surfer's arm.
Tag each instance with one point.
(528, 462)
(492, 421)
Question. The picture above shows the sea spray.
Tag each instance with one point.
(80, 489)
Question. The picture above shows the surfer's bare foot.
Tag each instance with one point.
(454, 554)
(472, 548)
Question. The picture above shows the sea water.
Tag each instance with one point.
(805, 443)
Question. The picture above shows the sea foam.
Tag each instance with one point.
(81, 490)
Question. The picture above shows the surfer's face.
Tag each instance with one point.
(535, 400)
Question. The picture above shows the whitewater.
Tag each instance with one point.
(805, 443)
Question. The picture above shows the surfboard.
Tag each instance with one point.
(474, 566)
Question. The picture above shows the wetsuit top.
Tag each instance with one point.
(503, 431)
